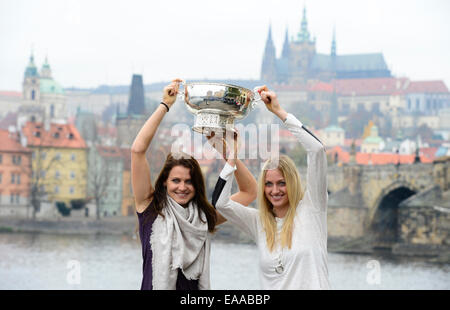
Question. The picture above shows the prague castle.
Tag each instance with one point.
(300, 62)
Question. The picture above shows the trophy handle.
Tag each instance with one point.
(257, 97)
(182, 93)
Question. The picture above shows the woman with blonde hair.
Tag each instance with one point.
(290, 227)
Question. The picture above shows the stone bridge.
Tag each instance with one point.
(404, 209)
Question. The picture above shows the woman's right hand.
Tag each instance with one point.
(170, 92)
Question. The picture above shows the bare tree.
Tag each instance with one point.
(99, 177)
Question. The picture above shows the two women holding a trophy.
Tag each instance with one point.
(176, 220)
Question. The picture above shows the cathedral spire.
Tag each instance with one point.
(46, 71)
(286, 49)
(31, 69)
(333, 42)
(268, 68)
(304, 34)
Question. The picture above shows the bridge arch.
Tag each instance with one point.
(383, 216)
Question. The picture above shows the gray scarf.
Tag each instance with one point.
(180, 240)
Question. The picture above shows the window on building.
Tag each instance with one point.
(72, 175)
(417, 104)
(71, 190)
(58, 156)
(73, 157)
(1, 158)
(33, 94)
(18, 178)
(17, 198)
(13, 178)
(11, 198)
(56, 189)
(57, 175)
(0, 177)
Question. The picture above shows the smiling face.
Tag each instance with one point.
(179, 185)
(275, 189)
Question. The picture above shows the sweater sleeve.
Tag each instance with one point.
(244, 218)
(316, 172)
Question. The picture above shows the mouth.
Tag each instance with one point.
(277, 197)
(182, 195)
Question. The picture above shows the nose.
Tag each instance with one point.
(275, 189)
(182, 186)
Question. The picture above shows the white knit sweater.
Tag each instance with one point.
(305, 264)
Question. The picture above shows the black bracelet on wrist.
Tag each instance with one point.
(167, 107)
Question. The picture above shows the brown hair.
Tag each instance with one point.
(159, 196)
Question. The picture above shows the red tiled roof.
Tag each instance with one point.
(321, 87)
(59, 135)
(371, 87)
(14, 94)
(428, 151)
(11, 142)
(427, 87)
(377, 158)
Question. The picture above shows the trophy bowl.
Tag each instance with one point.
(217, 105)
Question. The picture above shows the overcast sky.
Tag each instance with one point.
(94, 42)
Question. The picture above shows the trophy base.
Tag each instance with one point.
(207, 122)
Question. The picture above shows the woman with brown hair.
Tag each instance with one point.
(175, 218)
(290, 228)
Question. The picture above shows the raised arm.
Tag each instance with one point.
(140, 167)
(246, 182)
(247, 185)
(316, 189)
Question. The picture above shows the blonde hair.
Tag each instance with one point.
(295, 194)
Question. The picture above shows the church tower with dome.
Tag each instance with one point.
(44, 98)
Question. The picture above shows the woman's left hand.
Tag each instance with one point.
(271, 101)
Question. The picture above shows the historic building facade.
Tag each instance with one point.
(300, 62)
(44, 99)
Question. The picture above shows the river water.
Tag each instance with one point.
(42, 261)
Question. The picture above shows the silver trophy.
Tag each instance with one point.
(217, 105)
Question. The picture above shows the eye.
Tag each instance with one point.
(188, 182)
(282, 183)
(268, 184)
(176, 180)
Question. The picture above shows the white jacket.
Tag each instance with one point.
(305, 264)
